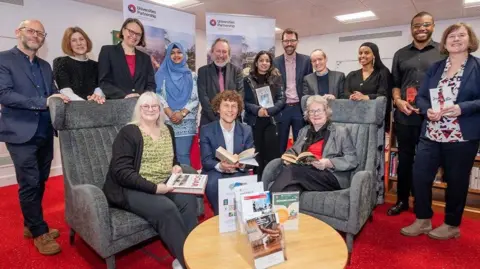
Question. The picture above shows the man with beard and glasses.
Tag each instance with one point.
(216, 77)
(26, 86)
(294, 67)
(410, 64)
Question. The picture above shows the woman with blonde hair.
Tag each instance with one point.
(330, 149)
(143, 158)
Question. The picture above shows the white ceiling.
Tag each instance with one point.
(315, 17)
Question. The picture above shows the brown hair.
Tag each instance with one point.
(220, 39)
(66, 44)
(139, 23)
(227, 95)
(290, 31)
(472, 37)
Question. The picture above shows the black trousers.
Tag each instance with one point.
(265, 139)
(32, 161)
(407, 138)
(304, 178)
(457, 160)
(172, 215)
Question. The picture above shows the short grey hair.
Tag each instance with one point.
(146, 96)
(319, 100)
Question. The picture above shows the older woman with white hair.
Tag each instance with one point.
(327, 148)
(143, 158)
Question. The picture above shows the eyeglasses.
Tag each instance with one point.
(316, 112)
(131, 32)
(31, 31)
(148, 107)
(459, 36)
(425, 24)
(291, 41)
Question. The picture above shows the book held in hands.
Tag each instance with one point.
(304, 158)
(187, 183)
(287, 207)
(245, 157)
(440, 99)
(264, 97)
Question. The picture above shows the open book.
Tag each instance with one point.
(187, 183)
(304, 158)
(245, 157)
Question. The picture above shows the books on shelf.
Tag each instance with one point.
(245, 157)
(287, 207)
(304, 158)
(264, 97)
(267, 240)
(187, 183)
(440, 98)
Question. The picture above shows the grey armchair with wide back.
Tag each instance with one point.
(86, 132)
(348, 209)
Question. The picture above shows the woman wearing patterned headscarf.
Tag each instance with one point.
(177, 87)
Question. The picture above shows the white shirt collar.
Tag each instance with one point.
(225, 130)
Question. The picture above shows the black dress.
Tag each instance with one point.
(80, 76)
(375, 85)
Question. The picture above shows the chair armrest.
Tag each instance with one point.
(361, 190)
(271, 172)
(92, 216)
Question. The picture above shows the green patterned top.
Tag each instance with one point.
(157, 157)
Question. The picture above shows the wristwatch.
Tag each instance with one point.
(184, 114)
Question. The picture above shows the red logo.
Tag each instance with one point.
(132, 8)
(213, 22)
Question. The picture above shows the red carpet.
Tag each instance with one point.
(379, 245)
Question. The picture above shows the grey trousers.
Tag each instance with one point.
(173, 216)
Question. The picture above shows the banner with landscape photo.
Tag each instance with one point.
(159, 32)
(247, 36)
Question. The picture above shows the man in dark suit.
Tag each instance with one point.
(26, 85)
(293, 67)
(323, 81)
(216, 77)
(228, 133)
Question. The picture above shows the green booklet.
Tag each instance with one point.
(287, 207)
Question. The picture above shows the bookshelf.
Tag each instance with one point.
(472, 208)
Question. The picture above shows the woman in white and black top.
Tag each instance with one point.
(75, 74)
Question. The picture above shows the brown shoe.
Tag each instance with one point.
(46, 245)
(420, 226)
(54, 233)
(444, 232)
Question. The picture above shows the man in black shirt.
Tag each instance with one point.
(410, 64)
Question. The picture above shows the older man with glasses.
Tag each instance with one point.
(26, 85)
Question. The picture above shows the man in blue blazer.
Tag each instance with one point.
(26, 85)
(293, 67)
(228, 133)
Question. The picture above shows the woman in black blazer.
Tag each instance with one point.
(123, 70)
(261, 116)
(449, 98)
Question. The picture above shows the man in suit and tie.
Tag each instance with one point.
(228, 133)
(216, 77)
(323, 81)
(293, 67)
(26, 85)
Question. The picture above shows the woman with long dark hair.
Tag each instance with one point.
(264, 99)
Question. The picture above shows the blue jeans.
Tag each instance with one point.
(182, 146)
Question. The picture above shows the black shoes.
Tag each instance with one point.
(397, 209)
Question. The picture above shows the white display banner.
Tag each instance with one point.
(247, 36)
(163, 25)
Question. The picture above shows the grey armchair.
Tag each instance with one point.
(348, 209)
(86, 132)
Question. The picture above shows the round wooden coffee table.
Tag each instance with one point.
(314, 245)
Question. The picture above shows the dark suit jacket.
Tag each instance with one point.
(19, 99)
(304, 67)
(336, 81)
(211, 137)
(114, 76)
(468, 96)
(208, 87)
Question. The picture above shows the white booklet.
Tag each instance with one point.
(239, 192)
(264, 97)
(440, 99)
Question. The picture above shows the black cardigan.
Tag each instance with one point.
(123, 172)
